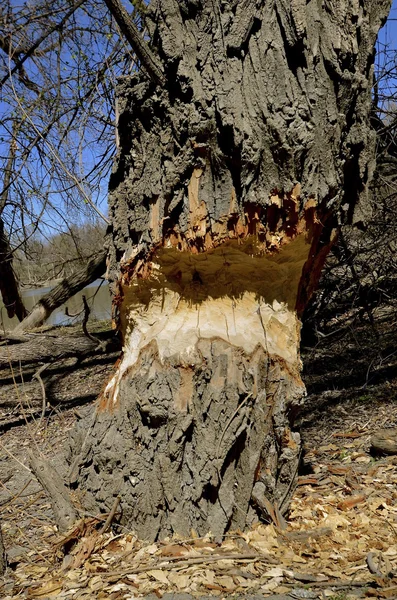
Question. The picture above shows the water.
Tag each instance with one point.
(97, 295)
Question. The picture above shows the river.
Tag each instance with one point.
(97, 295)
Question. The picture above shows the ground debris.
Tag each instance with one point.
(340, 541)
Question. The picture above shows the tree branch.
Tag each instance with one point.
(137, 43)
(67, 288)
(40, 40)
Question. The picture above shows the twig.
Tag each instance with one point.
(148, 59)
(57, 27)
(6, 502)
(91, 337)
(11, 455)
(110, 518)
(37, 376)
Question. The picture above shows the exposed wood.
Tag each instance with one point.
(49, 479)
(67, 288)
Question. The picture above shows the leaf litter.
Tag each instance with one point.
(340, 540)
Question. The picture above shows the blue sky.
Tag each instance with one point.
(386, 65)
(389, 32)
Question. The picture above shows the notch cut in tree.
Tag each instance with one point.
(229, 186)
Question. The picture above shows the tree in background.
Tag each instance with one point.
(58, 65)
(360, 275)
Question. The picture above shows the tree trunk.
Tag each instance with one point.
(9, 288)
(225, 199)
(67, 288)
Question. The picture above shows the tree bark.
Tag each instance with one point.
(45, 348)
(67, 288)
(9, 288)
(225, 199)
(49, 479)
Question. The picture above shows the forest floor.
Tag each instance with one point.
(340, 541)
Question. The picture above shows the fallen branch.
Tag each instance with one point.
(67, 288)
(110, 518)
(44, 348)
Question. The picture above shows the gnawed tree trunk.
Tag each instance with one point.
(231, 180)
(68, 287)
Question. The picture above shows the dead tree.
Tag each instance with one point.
(244, 143)
(9, 288)
(68, 287)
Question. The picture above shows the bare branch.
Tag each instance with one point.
(40, 40)
(127, 26)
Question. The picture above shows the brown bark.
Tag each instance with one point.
(67, 288)
(384, 441)
(45, 348)
(228, 189)
(64, 511)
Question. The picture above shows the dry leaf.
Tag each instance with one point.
(351, 502)
(174, 550)
(159, 575)
(274, 572)
(51, 588)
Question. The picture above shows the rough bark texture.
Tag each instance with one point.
(64, 512)
(230, 181)
(46, 348)
(384, 441)
(67, 288)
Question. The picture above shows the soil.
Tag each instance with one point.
(342, 522)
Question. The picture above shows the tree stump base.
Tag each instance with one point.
(384, 441)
